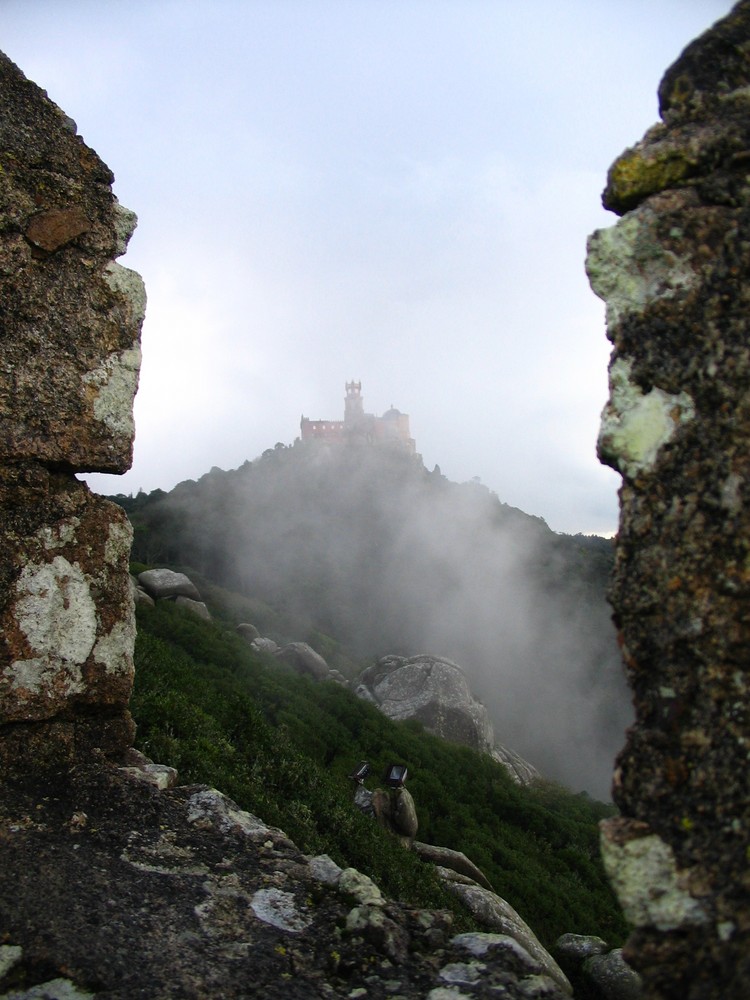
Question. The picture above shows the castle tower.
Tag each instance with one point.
(353, 404)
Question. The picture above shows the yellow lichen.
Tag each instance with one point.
(634, 176)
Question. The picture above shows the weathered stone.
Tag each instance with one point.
(248, 632)
(303, 658)
(580, 946)
(454, 860)
(194, 607)
(264, 645)
(432, 690)
(71, 317)
(496, 914)
(162, 584)
(520, 770)
(66, 606)
(674, 274)
(613, 976)
(69, 356)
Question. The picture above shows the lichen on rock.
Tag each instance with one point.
(674, 274)
(70, 334)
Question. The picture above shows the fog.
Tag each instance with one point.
(397, 191)
(367, 546)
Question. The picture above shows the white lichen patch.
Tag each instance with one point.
(279, 908)
(114, 651)
(116, 383)
(650, 888)
(47, 676)
(117, 546)
(56, 536)
(129, 284)
(125, 222)
(55, 610)
(210, 809)
(635, 426)
(629, 268)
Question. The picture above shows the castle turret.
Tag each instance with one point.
(354, 409)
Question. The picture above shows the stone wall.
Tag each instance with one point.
(675, 275)
(69, 361)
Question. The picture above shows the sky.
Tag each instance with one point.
(396, 192)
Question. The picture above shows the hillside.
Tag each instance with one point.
(282, 746)
(366, 546)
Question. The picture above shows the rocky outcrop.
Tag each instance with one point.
(674, 275)
(69, 347)
(519, 769)
(432, 690)
(435, 691)
(180, 893)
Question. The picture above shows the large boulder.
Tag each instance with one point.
(162, 584)
(432, 690)
(303, 658)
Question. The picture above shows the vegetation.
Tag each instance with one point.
(282, 746)
(363, 552)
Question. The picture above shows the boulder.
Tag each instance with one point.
(264, 645)
(304, 660)
(432, 690)
(139, 594)
(248, 632)
(165, 583)
(613, 977)
(579, 947)
(494, 913)
(455, 861)
(194, 607)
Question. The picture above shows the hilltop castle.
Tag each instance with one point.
(391, 429)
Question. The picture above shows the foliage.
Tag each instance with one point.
(282, 746)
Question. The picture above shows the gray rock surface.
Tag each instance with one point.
(432, 690)
(580, 946)
(435, 691)
(494, 913)
(455, 861)
(303, 658)
(520, 770)
(264, 645)
(165, 583)
(194, 607)
(179, 893)
(613, 977)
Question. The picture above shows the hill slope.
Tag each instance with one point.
(282, 747)
(367, 546)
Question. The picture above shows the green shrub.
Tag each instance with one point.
(282, 746)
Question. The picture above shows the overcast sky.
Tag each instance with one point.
(391, 191)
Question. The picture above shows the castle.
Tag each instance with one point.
(392, 429)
